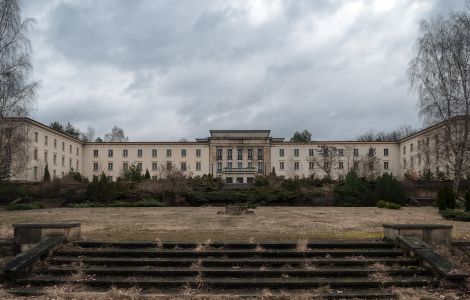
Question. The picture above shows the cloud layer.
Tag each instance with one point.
(165, 70)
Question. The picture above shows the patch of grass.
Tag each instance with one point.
(122, 203)
(456, 215)
(388, 205)
(24, 206)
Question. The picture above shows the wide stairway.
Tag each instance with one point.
(336, 270)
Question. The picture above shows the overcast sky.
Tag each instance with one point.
(166, 70)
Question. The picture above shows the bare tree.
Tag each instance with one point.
(89, 136)
(369, 165)
(116, 135)
(327, 159)
(384, 136)
(16, 92)
(440, 75)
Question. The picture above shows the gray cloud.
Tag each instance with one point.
(173, 69)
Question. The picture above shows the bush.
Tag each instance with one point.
(388, 205)
(121, 203)
(12, 191)
(103, 190)
(445, 198)
(24, 206)
(456, 214)
(355, 191)
(390, 189)
(467, 201)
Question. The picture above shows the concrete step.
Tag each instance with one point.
(307, 271)
(227, 262)
(228, 282)
(146, 252)
(233, 245)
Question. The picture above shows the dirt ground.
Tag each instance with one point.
(203, 223)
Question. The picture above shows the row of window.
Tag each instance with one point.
(54, 159)
(421, 143)
(239, 154)
(327, 152)
(36, 173)
(311, 165)
(140, 152)
(412, 162)
(169, 165)
(46, 140)
(240, 166)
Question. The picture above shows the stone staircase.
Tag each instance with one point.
(340, 270)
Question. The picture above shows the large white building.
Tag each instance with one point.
(235, 155)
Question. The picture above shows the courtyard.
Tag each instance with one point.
(204, 223)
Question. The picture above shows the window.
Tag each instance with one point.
(168, 152)
(229, 165)
(183, 152)
(54, 174)
(139, 152)
(386, 152)
(35, 154)
(154, 152)
(70, 149)
(340, 152)
(219, 167)
(35, 172)
(154, 177)
(95, 153)
(341, 177)
(371, 165)
(371, 152)
(110, 178)
(45, 140)
(70, 163)
(250, 165)
(77, 163)
(77, 151)
(404, 163)
(198, 166)
(63, 161)
(419, 145)
(229, 154)
(240, 153)
(310, 152)
(239, 179)
(198, 152)
(183, 166)
(260, 167)
(36, 137)
(356, 152)
(110, 153)
(296, 152)
(45, 156)
(385, 165)
(311, 165)
(356, 165)
(168, 165)
(125, 166)
(55, 143)
(250, 180)
(218, 153)
(139, 166)
(404, 150)
(326, 165)
(281, 165)
(124, 153)
(229, 180)
(419, 160)
(154, 166)
(63, 146)
(240, 165)
(296, 165)
(412, 162)
(55, 159)
(411, 147)
(281, 152)
(260, 154)
(110, 166)
(340, 165)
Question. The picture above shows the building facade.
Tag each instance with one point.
(235, 155)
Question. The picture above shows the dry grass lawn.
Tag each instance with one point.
(203, 223)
